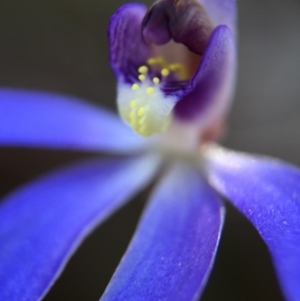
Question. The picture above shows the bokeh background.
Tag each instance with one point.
(61, 46)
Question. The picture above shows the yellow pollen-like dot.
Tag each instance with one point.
(152, 61)
(156, 61)
(141, 111)
(150, 90)
(133, 104)
(142, 120)
(132, 115)
(143, 69)
(165, 72)
(142, 77)
(135, 87)
(182, 71)
(175, 67)
(156, 80)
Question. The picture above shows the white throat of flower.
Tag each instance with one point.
(143, 105)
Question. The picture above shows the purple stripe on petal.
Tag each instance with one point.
(128, 50)
(38, 119)
(222, 12)
(44, 222)
(267, 191)
(173, 249)
(213, 83)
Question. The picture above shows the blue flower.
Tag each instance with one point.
(177, 95)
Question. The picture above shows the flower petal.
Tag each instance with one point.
(213, 83)
(173, 249)
(222, 12)
(141, 106)
(40, 119)
(128, 50)
(43, 223)
(267, 191)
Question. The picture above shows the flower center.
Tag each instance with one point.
(146, 106)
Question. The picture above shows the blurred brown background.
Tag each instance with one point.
(61, 46)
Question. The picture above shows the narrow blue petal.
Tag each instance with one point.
(267, 191)
(213, 83)
(43, 223)
(173, 249)
(38, 119)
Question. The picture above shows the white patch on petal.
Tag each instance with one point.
(144, 106)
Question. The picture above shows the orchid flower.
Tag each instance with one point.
(175, 65)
